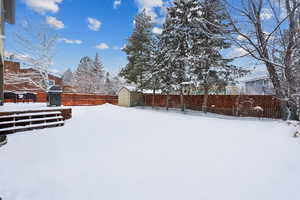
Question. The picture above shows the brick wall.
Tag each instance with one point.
(14, 67)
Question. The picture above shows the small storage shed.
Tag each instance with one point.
(128, 96)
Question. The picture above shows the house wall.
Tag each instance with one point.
(1, 28)
(1, 51)
(124, 97)
(14, 67)
(259, 87)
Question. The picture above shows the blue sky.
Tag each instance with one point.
(111, 25)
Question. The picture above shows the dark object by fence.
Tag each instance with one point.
(11, 96)
(30, 97)
(233, 105)
(24, 97)
(54, 96)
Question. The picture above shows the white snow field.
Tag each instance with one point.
(113, 153)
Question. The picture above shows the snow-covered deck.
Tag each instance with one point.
(109, 152)
(13, 107)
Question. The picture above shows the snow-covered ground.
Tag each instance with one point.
(113, 153)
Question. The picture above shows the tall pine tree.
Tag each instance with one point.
(98, 74)
(178, 41)
(89, 76)
(208, 66)
(138, 52)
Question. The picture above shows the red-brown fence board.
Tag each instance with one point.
(72, 99)
(221, 104)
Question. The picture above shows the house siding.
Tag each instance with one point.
(14, 67)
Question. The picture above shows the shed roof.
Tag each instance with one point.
(129, 88)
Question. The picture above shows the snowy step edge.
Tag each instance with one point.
(31, 126)
(31, 120)
(3, 142)
(30, 114)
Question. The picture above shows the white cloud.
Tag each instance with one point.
(240, 37)
(266, 14)
(157, 30)
(102, 46)
(237, 52)
(7, 54)
(149, 6)
(43, 6)
(117, 3)
(54, 23)
(94, 24)
(68, 41)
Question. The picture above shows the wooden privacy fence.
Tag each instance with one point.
(234, 105)
(73, 99)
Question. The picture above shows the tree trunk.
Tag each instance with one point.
(153, 98)
(285, 110)
(205, 98)
(181, 100)
(167, 101)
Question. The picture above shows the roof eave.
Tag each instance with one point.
(10, 11)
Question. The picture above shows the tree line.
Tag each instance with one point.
(188, 51)
(90, 77)
(195, 34)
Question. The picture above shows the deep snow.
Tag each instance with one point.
(113, 153)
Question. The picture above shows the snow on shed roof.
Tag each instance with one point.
(130, 88)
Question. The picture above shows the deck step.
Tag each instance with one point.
(3, 140)
(31, 114)
(31, 120)
(18, 122)
(31, 127)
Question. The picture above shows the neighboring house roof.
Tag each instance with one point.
(55, 88)
(256, 79)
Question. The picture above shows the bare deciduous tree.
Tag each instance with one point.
(268, 31)
(35, 47)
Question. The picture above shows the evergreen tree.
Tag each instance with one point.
(88, 77)
(178, 40)
(117, 84)
(67, 77)
(139, 50)
(81, 79)
(98, 74)
(208, 67)
(109, 87)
